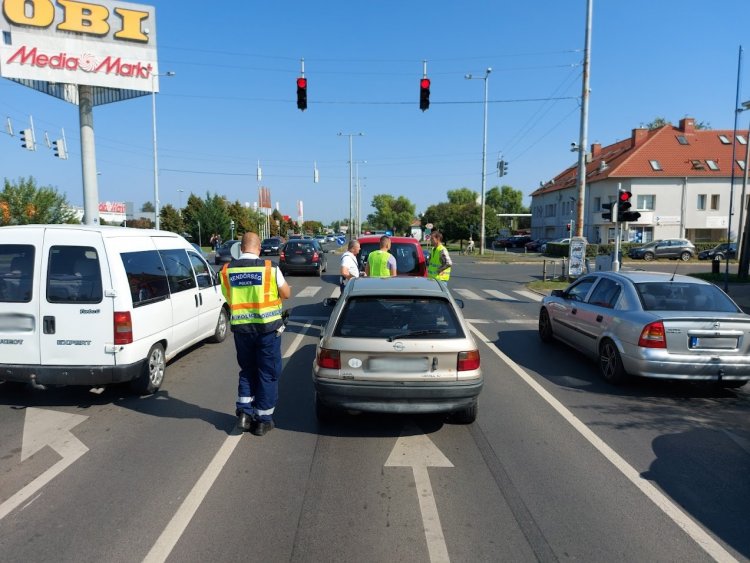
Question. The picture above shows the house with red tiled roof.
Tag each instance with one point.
(680, 179)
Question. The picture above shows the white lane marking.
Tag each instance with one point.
(677, 515)
(309, 291)
(467, 294)
(42, 428)
(479, 321)
(499, 295)
(419, 452)
(336, 292)
(173, 532)
(297, 339)
(528, 294)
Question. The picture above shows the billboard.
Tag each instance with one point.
(105, 44)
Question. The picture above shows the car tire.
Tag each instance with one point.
(545, 326)
(719, 257)
(648, 256)
(152, 373)
(467, 415)
(610, 363)
(323, 412)
(222, 327)
(685, 256)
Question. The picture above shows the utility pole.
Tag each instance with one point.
(484, 155)
(737, 111)
(351, 181)
(583, 140)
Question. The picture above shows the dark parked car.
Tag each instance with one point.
(719, 252)
(223, 254)
(302, 256)
(270, 246)
(536, 245)
(515, 241)
(668, 248)
(410, 259)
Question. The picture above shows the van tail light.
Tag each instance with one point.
(329, 359)
(468, 361)
(315, 257)
(123, 328)
(653, 336)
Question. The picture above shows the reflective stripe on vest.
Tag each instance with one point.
(252, 294)
(378, 261)
(435, 263)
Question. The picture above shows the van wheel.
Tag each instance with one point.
(467, 415)
(152, 374)
(222, 325)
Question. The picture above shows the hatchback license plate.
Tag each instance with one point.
(713, 343)
(405, 365)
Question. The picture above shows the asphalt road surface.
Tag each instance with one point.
(558, 466)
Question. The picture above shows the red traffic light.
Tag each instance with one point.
(424, 83)
(625, 195)
(302, 83)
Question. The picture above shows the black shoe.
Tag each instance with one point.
(261, 428)
(244, 421)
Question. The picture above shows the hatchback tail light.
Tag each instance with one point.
(282, 256)
(468, 361)
(123, 328)
(653, 336)
(329, 359)
(315, 257)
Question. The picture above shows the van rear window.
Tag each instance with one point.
(74, 275)
(16, 273)
(146, 277)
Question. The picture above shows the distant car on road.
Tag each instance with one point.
(719, 252)
(535, 245)
(270, 245)
(515, 241)
(651, 324)
(223, 255)
(668, 248)
(304, 256)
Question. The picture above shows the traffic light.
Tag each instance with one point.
(424, 94)
(502, 168)
(60, 150)
(608, 207)
(27, 139)
(624, 214)
(302, 93)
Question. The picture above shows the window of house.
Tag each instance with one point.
(712, 164)
(724, 140)
(701, 202)
(597, 203)
(715, 202)
(645, 202)
(655, 165)
(682, 140)
(697, 165)
(640, 234)
(741, 164)
(741, 139)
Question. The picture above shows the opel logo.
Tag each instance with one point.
(717, 325)
(398, 346)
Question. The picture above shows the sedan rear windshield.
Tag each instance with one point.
(407, 259)
(684, 296)
(405, 317)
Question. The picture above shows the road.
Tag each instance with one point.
(559, 464)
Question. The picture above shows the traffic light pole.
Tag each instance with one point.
(88, 155)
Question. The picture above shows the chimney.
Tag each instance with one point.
(687, 125)
(639, 135)
(596, 150)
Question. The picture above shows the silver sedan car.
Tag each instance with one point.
(397, 345)
(651, 325)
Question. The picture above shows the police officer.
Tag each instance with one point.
(254, 289)
(381, 263)
(439, 267)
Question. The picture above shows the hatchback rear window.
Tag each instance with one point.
(408, 317)
(16, 273)
(680, 296)
(306, 247)
(407, 259)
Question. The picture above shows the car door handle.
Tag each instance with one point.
(196, 299)
(48, 325)
(574, 311)
(599, 318)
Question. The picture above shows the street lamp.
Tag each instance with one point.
(358, 200)
(180, 191)
(157, 210)
(351, 183)
(484, 151)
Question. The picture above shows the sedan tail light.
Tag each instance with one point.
(468, 361)
(329, 359)
(653, 336)
(123, 328)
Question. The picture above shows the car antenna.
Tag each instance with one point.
(675, 272)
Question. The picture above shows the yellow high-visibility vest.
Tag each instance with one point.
(434, 265)
(252, 294)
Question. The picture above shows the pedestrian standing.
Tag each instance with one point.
(349, 264)
(439, 267)
(381, 263)
(254, 290)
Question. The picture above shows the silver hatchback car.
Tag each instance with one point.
(397, 345)
(651, 325)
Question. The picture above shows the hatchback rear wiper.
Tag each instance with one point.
(417, 333)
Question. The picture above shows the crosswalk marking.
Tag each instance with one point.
(529, 294)
(309, 291)
(499, 295)
(468, 294)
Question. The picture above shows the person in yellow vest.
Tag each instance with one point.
(439, 267)
(381, 263)
(254, 290)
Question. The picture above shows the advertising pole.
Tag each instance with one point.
(88, 155)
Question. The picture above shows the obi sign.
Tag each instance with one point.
(108, 44)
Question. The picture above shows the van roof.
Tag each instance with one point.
(106, 231)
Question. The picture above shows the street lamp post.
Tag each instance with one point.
(180, 191)
(157, 207)
(351, 182)
(484, 154)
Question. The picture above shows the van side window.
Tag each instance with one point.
(179, 270)
(74, 275)
(16, 273)
(201, 271)
(146, 277)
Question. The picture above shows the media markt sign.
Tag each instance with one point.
(576, 256)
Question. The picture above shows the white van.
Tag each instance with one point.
(84, 305)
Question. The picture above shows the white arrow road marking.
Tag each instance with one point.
(46, 428)
(418, 452)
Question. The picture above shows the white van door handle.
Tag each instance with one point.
(196, 299)
(48, 324)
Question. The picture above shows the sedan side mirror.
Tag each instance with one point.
(330, 301)
(460, 303)
(558, 293)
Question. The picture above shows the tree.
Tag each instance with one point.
(392, 213)
(313, 227)
(661, 122)
(463, 196)
(191, 219)
(24, 203)
(505, 200)
(148, 207)
(171, 220)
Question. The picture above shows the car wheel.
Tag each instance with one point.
(222, 325)
(323, 412)
(610, 363)
(648, 256)
(467, 415)
(152, 373)
(545, 326)
(719, 257)
(685, 256)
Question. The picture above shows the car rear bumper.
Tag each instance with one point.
(378, 396)
(70, 375)
(662, 365)
(301, 267)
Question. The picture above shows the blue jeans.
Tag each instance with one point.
(259, 358)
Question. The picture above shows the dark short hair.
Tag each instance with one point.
(438, 235)
(384, 239)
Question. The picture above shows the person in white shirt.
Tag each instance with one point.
(349, 264)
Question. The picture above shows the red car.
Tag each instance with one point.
(410, 260)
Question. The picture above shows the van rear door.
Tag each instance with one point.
(77, 319)
(20, 324)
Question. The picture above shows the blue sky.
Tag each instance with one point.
(232, 101)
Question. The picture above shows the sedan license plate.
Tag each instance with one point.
(400, 364)
(712, 343)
